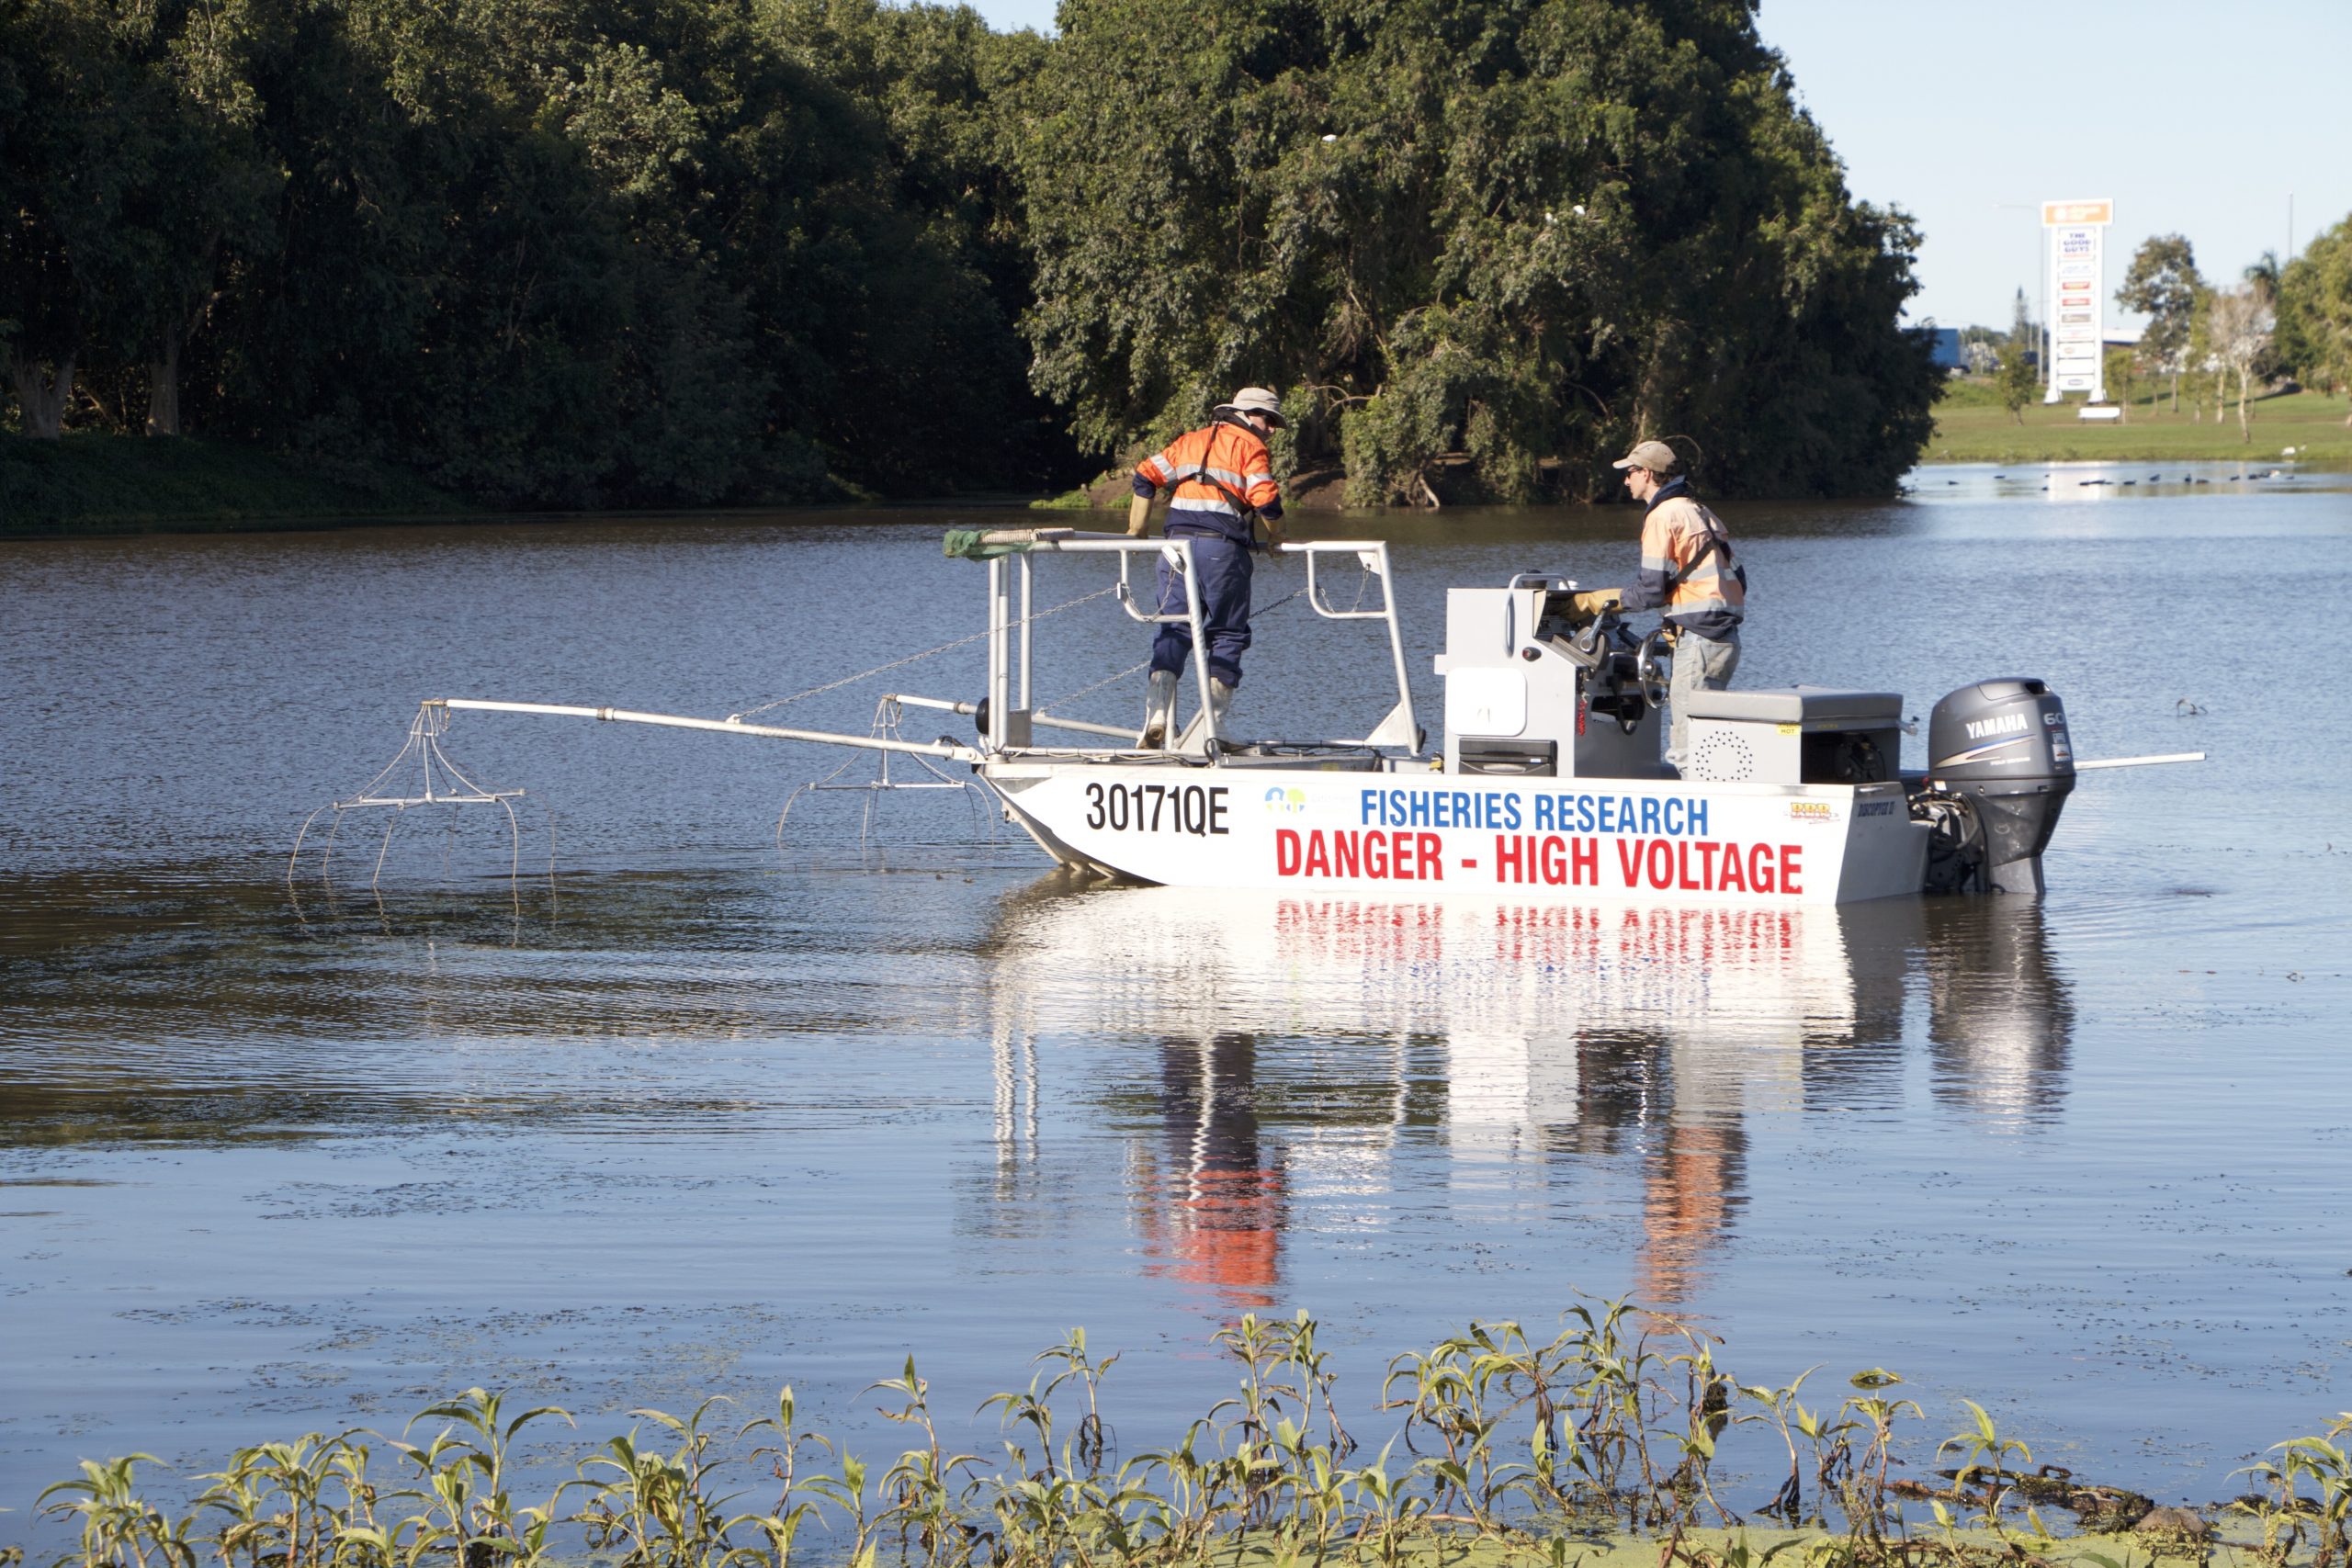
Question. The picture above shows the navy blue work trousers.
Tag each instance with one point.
(1225, 569)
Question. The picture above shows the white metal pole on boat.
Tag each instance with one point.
(1042, 720)
(2141, 761)
(1000, 656)
(1081, 726)
(1200, 639)
(1025, 590)
(721, 726)
(1396, 635)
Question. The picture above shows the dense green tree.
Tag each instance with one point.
(581, 252)
(2020, 377)
(465, 278)
(2163, 284)
(63, 167)
(125, 168)
(1478, 238)
(2314, 334)
(608, 251)
(2122, 367)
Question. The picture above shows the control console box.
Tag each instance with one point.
(1795, 735)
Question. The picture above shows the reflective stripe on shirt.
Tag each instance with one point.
(1675, 530)
(1227, 453)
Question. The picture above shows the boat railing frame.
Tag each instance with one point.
(1011, 717)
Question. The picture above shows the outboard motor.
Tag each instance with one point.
(1999, 770)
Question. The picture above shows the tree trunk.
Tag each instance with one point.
(41, 394)
(2176, 392)
(164, 389)
(2244, 376)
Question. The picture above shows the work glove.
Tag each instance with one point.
(1138, 516)
(1593, 601)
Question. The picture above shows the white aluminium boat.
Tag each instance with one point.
(1548, 785)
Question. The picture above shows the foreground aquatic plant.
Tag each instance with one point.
(461, 1487)
(1516, 1447)
(2287, 1516)
(304, 1504)
(120, 1527)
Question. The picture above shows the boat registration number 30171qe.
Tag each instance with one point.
(1198, 809)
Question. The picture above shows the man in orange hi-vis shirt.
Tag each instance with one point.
(1223, 478)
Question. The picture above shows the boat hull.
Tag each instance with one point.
(1308, 829)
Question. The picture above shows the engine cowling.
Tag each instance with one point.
(1998, 751)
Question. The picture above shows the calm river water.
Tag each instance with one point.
(708, 1117)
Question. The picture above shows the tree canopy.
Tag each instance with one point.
(1472, 238)
(2314, 336)
(2162, 283)
(585, 252)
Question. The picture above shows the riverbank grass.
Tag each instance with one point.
(1973, 427)
(87, 484)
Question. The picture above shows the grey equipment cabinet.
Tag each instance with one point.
(1795, 735)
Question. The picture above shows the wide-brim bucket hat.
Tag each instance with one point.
(1256, 400)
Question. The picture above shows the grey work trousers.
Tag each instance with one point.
(1701, 664)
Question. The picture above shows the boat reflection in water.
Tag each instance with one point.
(1333, 1058)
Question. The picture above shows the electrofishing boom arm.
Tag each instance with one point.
(722, 725)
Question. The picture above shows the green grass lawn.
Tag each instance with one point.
(88, 484)
(1973, 427)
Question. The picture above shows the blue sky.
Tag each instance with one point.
(2197, 119)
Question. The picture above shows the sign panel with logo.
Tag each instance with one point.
(2077, 237)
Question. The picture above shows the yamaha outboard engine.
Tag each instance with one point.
(1999, 770)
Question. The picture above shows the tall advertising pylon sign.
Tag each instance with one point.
(2076, 233)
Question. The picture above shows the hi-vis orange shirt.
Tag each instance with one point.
(1232, 454)
(1686, 567)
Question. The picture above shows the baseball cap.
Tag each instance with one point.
(1654, 456)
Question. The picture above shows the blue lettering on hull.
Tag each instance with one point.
(1554, 811)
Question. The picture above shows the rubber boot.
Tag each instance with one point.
(1159, 710)
(1220, 704)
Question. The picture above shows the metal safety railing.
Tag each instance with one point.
(1009, 718)
(1012, 717)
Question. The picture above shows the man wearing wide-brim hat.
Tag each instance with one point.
(1222, 476)
(1688, 573)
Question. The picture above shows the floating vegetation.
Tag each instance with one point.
(1596, 1444)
